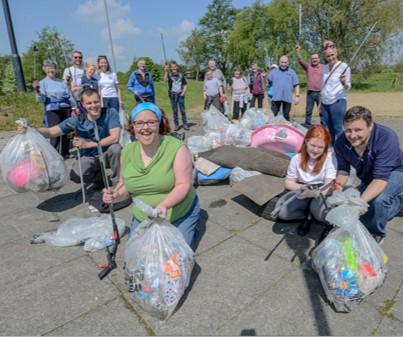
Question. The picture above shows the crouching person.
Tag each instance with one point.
(314, 166)
(108, 124)
(374, 151)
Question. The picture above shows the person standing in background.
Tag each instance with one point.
(72, 75)
(108, 84)
(141, 83)
(256, 86)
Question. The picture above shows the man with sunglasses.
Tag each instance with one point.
(336, 81)
(72, 75)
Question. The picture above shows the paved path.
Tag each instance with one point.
(238, 286)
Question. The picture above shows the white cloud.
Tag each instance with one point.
(121, 28)
(181, 31)
(94, 10)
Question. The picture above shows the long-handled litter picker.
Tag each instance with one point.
(111, 250)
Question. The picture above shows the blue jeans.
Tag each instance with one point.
(331, 117)
(312, 97)
(188, 225)
(111, 102)
(175, 100)
(385, 206)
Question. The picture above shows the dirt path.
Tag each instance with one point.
(380, 103)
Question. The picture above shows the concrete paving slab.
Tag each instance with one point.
(389, 327)
(52, 298)
(233, 275)
(114, 318)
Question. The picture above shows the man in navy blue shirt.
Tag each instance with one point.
(109, 132)
(374, 151)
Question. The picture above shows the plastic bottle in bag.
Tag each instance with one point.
(93, 244)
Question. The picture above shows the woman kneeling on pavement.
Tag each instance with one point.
(158, 169)
(313, 166)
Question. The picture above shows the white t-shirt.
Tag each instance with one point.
(107, 83)
(333, 90)
(328, 171)
(75, 74)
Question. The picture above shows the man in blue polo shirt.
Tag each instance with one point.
(374, 151)
(283, 80)
(83, 126)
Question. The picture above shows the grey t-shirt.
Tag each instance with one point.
(212, 87)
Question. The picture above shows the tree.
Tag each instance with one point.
(49, 45)
(8, 84)
(347, 22)
(216, 25)
(193, 51)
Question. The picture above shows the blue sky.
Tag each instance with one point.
(136, 25)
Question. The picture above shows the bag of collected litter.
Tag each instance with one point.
(237, 135)
(96, 232)
(238, 174)
(198, 144)
(350, 263)
(158, 264)
(29, 163)
(253, 118)
(214, 120)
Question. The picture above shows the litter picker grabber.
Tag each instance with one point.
(111, 250)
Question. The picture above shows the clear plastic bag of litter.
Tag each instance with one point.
(253, 118)
(350, 263)
(214, 120)
(197, 144)
(238, 135)
(158, 264)
(238, 174)
(29, 163)
(96, 232)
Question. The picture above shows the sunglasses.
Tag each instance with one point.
(329, 46)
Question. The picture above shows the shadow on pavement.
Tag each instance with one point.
(63, 202)
(248, 332)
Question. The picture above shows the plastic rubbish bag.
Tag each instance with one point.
(237, 135)
(158, 264)
(214, 120)
(124, 138)
(215, 139)
(29, 163)
(96, 232)
(198, 144)
(238, 174)
(253, 118)
(350, 264)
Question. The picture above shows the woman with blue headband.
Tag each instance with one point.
(158, 169)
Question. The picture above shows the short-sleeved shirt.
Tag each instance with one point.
(283, 82)
(107, 83)
(382, 156)
(314, 75)
(152, 183)
(74, 73)
(176, 82)
(212, 87)
(108, 120)
(332, 89)
(328, 170)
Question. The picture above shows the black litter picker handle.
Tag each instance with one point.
(111, 251)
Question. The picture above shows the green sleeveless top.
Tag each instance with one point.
(154, 182)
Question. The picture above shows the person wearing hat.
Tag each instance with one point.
(58, 103)
(157, 168)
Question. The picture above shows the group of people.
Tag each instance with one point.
(158, 167)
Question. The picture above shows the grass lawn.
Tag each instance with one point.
(19, 105)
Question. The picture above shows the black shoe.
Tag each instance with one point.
(378, 238)
(304, 228)
(185, 127)
(177, 128)
(325, 233)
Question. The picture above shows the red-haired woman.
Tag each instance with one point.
(157, 168)
(313, 165)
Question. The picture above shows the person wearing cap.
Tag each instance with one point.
(157, 168)
(314, 75)
(108, 124)
(58, 103)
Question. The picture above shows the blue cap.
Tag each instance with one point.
(146, 106)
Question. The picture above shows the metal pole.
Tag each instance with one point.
(163, 48)
(299, 22)
(19, 74)
(110, 35)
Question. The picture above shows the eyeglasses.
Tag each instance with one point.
(150, 124)
(329, 46)
(78, 57)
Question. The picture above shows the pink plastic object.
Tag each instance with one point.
(22, 173)
(281, 138)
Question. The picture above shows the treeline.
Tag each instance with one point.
(261, 33)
